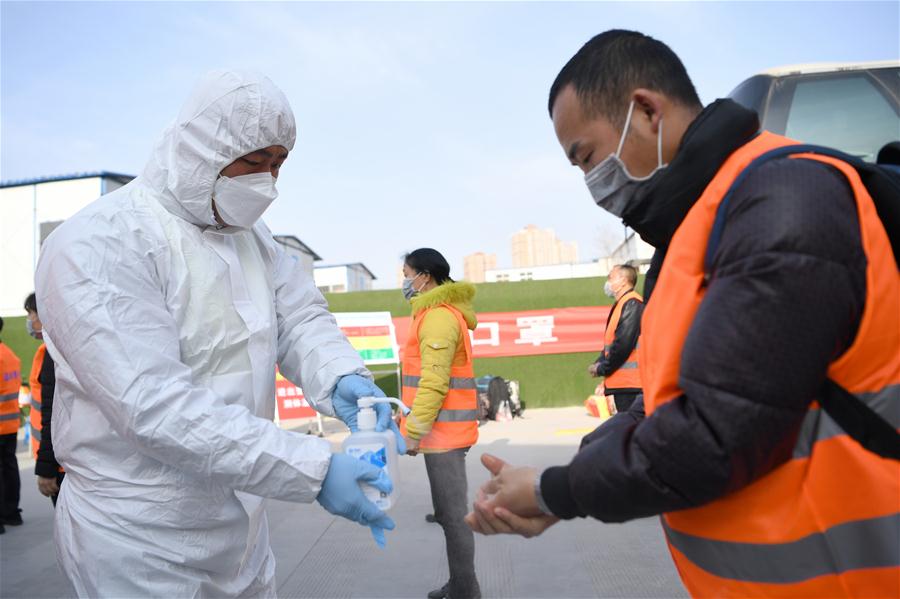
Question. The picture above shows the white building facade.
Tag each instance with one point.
(546, 273)
(300, 251)
(634, 251)
(343, 278)
(29, 211)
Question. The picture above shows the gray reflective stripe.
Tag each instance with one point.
(9, 416)
(628, 366)
(856, 545)
(9, 396)
(35, 404)
(455, 382)
(36, 434)
(819, 426)
(457, 415)
(606, 348)
(462, 383)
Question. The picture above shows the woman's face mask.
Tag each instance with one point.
(610, 183)
(241, 200)
(409, 291)
(29, 326)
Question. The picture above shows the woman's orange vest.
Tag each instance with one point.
(827, 522)
(628, 375)
(456, 425)
(35, 384)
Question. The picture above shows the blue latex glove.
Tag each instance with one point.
(348, 391)
(342, 496)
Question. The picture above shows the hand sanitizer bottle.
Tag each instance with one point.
(378, 449)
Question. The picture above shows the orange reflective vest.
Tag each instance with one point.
(457, 422)
(827, 522)
(628, 375)
(10, 381)
(35, 415)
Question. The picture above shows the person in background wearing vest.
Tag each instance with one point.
(762, 494)
(43, 382)
(439, 387)
(619, 360)
(10, 381)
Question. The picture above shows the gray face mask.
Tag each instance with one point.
(608, 290)
(29, 326)
(409, 291)
(610, 183)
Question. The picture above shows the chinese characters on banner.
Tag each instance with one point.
(290, 401)
(532, 332)
(528, 333)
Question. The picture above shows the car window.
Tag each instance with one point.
(846, 112)
(752, 93)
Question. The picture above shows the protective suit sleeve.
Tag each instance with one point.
(312, 350)
(105, 314)
(438, 338)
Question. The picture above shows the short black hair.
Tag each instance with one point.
(615, 63)
(31, 303)
(429, 261)
(629, 272)
(1, 324)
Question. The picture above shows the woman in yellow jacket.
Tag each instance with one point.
(439, 387)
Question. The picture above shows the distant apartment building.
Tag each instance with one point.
(475, 265)
(532, 246)
(545, 273)
(343, 278)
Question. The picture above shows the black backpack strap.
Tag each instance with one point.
(719, 224)
(861, 422)
(853, 416)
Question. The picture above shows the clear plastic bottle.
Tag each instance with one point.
(378, 449)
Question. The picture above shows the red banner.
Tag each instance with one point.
(532, 332)
(290, 401)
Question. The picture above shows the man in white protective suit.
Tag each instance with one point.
(167, 305)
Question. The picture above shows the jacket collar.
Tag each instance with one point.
(661, 204)
(459, 294)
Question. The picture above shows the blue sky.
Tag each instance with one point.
(420, 124)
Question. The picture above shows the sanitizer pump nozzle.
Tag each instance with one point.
(366, 418)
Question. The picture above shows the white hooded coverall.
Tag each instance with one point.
(166, 332)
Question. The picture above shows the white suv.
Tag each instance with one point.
(853, 107)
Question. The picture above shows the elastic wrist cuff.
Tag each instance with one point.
(540, 497)
(556, 494)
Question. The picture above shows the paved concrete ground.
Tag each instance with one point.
(319, 555)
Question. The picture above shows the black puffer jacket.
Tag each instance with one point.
(46, 465)
(785, 300)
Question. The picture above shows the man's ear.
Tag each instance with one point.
(648, 110)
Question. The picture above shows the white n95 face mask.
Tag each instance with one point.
(241, 200)
(610, 183)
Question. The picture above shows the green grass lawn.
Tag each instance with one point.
(17, 338)
(545, 381)
(489, 297)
